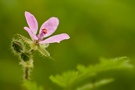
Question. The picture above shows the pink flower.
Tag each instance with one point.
(46, 30)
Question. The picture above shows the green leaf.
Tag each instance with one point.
(104, 65)
(28, 85)
(91, 86)
(64, 80)
(70, 78)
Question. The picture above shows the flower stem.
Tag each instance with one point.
(26, 73)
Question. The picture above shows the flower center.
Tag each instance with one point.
(42, 33)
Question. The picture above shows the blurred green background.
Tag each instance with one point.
(98, 28)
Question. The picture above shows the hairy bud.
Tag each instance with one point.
(17, 46)
(25, 56)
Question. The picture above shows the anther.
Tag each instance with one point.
(44, 30)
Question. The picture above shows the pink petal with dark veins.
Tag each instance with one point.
(33, 36)
(32, 22)
(55, 38)
(50, 25)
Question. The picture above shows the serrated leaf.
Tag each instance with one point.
(91, 86)
(104, 65)
(64, 80)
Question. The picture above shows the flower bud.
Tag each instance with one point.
(25, 56)
(17, 46)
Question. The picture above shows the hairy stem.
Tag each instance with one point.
(26, 73)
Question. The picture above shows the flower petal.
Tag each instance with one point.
(50, 25)
(32, 22)
(55, 38)
(33, 36)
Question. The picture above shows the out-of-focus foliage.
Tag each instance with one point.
(28, 85)
(98, 28)
(70, 78)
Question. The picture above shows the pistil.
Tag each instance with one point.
(41, 35)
